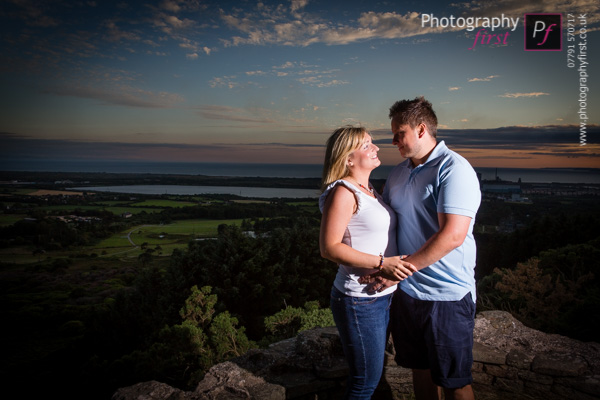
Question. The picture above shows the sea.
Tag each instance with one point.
(537, 175)
(540, 175)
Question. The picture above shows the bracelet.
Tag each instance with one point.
(381, 258)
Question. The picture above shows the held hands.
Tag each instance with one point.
(393, 270)
(396, 269)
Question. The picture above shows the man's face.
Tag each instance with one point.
(406, 139)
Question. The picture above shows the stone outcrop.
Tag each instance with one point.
(510, 361)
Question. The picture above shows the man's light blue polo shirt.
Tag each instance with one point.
(445, 183)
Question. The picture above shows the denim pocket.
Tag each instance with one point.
(364, 301)
(336, 295)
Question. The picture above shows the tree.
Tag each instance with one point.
(291, 320)
(228, 341)
(556, 292)
(199, 307)
(145, 258)
(183, 353)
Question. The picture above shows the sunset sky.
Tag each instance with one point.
(267, 82)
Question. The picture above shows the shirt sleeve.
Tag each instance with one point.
(459, 191)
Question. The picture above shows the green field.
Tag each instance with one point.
(68, 208)
(117, 210)
(163, 203)
(9, 219)
(133, 210)
(163, 238)
(192, 227)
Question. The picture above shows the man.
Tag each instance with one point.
(435, 194)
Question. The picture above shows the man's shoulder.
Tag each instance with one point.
(452, 159)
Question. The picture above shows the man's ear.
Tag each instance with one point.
(421, 129)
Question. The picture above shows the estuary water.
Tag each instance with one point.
(254, 192)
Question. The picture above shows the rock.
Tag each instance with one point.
(559, 364)
(510, 361)
(487, 354)
(151, 391)
(519, 359)
(228, 381)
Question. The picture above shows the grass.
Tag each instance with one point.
(163, 203)
(198, 227)
(16, 191)
(9, 219)
(176, 235)
(118, 240)
(69, 208)
(169, 237)
(133, 210)
(111, 203)
(251, 201)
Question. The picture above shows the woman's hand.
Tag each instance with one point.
(396, 269)
(393, 270)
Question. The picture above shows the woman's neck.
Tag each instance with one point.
(362, 179)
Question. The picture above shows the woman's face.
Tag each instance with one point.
(365, 157)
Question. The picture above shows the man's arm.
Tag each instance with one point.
(452, 233)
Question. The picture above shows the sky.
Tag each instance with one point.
(268, 81)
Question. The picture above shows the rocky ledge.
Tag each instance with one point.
(510, 361)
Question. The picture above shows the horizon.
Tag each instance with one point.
(235, 163)
(268, 81)
(583, 175)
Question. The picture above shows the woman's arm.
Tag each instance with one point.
(339, 207)
(337, 212)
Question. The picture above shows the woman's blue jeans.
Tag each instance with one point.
(362, 323)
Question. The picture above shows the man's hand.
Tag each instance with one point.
(377, 282)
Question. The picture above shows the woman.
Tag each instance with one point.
(358, 232)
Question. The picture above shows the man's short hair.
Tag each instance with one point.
(414, 112)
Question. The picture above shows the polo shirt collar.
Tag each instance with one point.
(434, 158)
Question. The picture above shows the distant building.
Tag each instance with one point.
(501, 188)
(127, 215)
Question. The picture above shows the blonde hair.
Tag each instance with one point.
(342, 142)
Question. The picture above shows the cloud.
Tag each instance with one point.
(171, 6)
(298, 4)
(225, 81)
(517, 142)
(486, 79)
(520, 137)
(517, 95)
(35, 15)
(122, 95)
(454, 88)
(234, 114)
(292, 145)
(309, 75)
(277, 24)
(273, 26)
(527, 138)
(287, 64)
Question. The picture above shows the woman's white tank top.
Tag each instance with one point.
(371, 230)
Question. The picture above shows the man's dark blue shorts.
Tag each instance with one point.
(435, 335)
